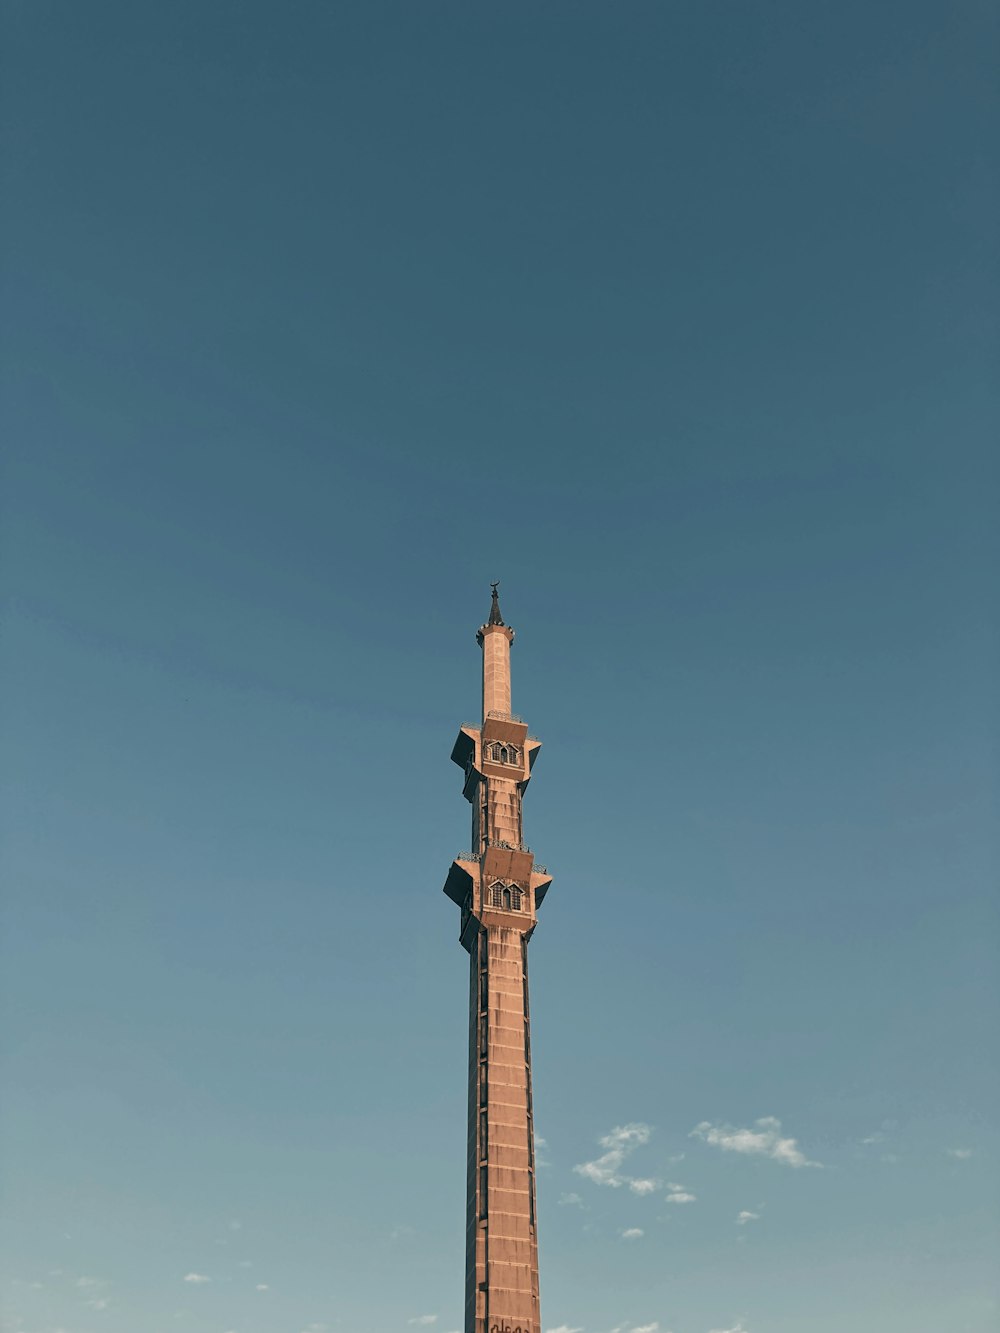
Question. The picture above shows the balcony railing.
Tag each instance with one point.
(504, 846)
(501, 717)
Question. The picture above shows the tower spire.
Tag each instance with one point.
(495, 638)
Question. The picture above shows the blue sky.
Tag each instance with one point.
(679, 319)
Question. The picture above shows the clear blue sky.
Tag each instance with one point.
(680, 319)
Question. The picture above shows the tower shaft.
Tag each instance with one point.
(499, 889)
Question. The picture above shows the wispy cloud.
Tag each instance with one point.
(632, 1233)
(747, 1216)
(564, 1328)
(643, 1186)
(765, 1140)
(573, 1200)
(423, 1319)
(679, 1193)
(98, 1303)
(639, 1328)
(619, 1144)
(961, 1153)
(196, 1278)
(879, 1135)
(88, 1283)
(736, 1328)
(262, 1286)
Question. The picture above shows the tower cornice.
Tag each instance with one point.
(483, 630)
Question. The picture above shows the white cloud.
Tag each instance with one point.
(262, 1286)
(632, 1233)
(961, 1153)
(681, 1196)
(573, 1199)
(196, 1278)
(606, 1169)
(746, 1216)
(423, 1319)
(763, 1141)
(643, 1186)
(564, 1328)
(654, 1327)
(627, 1136)
(99, 1303)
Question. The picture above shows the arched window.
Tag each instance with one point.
(507, 897)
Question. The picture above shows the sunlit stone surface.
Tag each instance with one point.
(499, 890)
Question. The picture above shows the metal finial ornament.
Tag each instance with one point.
(495, 617)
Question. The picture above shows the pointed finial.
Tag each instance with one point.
(495, 617)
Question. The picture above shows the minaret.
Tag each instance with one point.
(499, 888)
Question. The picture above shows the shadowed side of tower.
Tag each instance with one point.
(499, 889)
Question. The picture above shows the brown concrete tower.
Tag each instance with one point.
(499, 888)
